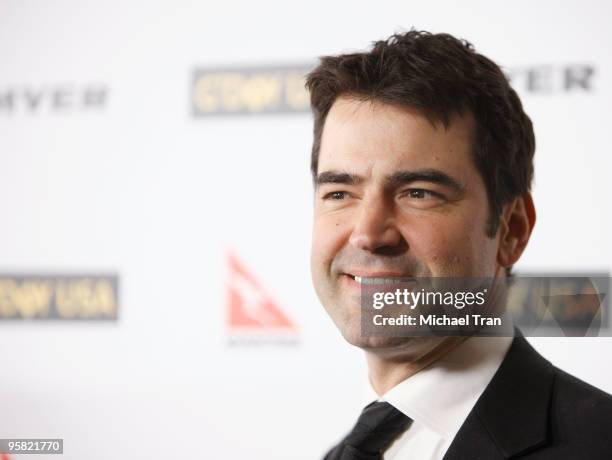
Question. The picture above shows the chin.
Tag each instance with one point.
(354, 337)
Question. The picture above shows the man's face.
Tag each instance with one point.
(396, 197)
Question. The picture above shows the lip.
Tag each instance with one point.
(385, 280)
(374, 278)
(376, 274)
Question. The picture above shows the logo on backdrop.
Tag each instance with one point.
(59, 297)
(53, 99)
(552, 79)
(279, 89)
(253, 315)
(250, 91)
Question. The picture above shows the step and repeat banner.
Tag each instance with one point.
(156, 199)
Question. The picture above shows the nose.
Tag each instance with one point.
(375, 229)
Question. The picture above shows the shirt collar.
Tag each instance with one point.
(442, 395)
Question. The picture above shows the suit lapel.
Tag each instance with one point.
(511, 416)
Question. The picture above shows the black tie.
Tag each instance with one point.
(378, 426)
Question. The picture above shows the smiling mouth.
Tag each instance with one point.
(379, 280)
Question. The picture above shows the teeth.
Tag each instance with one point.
(375, 281)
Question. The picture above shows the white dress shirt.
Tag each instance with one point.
(439, 398)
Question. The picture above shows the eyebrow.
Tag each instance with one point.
(434, 176)
(336, 177)
(394, 180)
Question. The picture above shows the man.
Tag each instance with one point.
(422, 163)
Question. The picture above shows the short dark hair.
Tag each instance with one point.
(440, 76)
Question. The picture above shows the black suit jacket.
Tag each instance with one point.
(531, 410)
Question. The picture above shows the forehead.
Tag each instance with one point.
(372, 138)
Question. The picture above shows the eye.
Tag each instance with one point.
(422, 198)
(335, 196)
(420, 193)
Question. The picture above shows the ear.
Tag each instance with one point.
(516, 223)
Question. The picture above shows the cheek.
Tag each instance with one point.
(328, 237)
(434, 245)
(450, 244)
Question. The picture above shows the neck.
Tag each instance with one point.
(387, 369)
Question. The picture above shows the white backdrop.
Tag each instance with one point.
(133, 184)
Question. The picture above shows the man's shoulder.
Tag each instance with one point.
(570, 397)
(578, 414)
(534, 410)
(579, 404)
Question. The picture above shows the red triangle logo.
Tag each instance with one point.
(249, 305)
